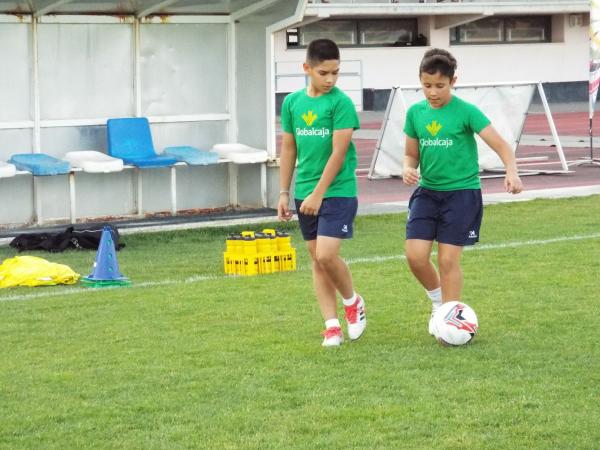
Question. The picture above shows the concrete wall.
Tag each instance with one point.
(563, 63)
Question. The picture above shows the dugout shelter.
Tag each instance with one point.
(199, 71)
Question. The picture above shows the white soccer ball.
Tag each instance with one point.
(455, 323)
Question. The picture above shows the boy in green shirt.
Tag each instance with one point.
(447, 206)
(317, 124)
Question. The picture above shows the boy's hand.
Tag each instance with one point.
(410, 175)
(311, 205)
(513, 183)
(283, 207)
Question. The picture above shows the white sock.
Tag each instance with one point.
(349, 301)
(332, 323)
(436, 297)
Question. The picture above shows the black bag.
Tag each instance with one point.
(51, 242)
(89, 238)
(84, 238)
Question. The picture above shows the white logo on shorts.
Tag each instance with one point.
(472, 234)
(345, 229)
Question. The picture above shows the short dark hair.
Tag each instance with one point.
(438, 60)
(321, 50)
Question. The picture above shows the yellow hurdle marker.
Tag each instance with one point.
(252, 253)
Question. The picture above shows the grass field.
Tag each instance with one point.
(189, 358)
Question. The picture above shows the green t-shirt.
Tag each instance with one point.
(312, 121)
(447, 146)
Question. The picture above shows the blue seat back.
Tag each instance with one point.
(130, 138)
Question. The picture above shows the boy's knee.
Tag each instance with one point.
(416, 260)
(325, 259)
(448, 265)
(312, 251)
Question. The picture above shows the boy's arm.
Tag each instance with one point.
(512, 182)
(411, 161)
(287, 162)
(341, 142)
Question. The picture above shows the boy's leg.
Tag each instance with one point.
(325, 289)
(324, 235)
(461, 219)
(451, 277)
(418, 256)
(421, 230)
(336, 220)
(329, 260)
(326, 298)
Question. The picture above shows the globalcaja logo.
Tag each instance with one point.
(309, 118)
(434, 128)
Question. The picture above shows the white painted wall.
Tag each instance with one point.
(549, 62)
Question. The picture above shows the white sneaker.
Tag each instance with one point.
(431, 328)
(333, 337)
(356, 317)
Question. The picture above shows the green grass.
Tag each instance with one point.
(188, 358)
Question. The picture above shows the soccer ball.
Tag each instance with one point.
(455, 323)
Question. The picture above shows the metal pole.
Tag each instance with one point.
(591, 141)
(559, 149)
(72, 197)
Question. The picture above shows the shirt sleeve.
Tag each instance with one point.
(409, 124)
(477, 119)
(286, 116)
(345, 115)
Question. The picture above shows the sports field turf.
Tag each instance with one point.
(189, 358)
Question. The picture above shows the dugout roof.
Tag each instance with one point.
(139, 8)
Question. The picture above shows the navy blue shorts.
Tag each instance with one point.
(449, 217)
(335, 218)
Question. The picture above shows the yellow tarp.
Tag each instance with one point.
(34, 271)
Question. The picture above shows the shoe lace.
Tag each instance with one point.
(351, 312)
(331, 332)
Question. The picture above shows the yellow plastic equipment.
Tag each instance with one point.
(287, 254)
(253, 253)
(34, 271)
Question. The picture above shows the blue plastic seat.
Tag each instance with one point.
(192, 156)
(131, 140)
(40, 164)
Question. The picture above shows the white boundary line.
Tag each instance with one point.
(366, 260)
